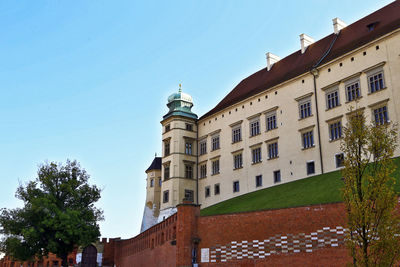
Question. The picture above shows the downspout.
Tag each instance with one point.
(197, 163)
(314, 71)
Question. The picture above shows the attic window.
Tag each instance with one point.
(372, 25)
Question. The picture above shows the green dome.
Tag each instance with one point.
(180, 104)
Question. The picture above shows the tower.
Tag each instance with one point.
(153, 189)
(179, 142)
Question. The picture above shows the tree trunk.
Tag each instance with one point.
(64, 259)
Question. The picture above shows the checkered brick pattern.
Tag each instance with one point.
(259, 249)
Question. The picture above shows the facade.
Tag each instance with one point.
(284, 122)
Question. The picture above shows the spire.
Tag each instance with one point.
(180, 88)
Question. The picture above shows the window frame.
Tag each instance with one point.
(236, 134)
(165, 196)
(335, 129)
(238, 158)
(207, 191)
(308, 165)
(277, 178)
(306, 106)
(215, 168)
(256, 155)
(273, 150)
(188, 147)
(328, 99)
(215, 142)
(236, 186)
(273, 122)
(259, 180)
(347, 87)
(371, 74)
(383, 114)
(189, 171)
(203, 170)
(309, 138)
(254, 126)
(219, 189)
(203, 147)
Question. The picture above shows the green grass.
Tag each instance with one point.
(319, 189)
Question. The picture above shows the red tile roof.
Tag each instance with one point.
(384, 20)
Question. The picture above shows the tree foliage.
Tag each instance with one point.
(369, 194)
(58, 214)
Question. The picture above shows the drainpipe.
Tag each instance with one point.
(315, 74)
(197, 163)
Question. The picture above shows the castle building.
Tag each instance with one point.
(282, 123)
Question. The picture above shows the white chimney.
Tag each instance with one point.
(271, 59)
(338, 24)
(305, 41)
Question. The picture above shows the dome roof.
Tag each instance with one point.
(180, 104)
(180, 96)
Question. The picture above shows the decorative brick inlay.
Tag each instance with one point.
(259, 249)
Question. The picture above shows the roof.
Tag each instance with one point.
(384, 20)
(155, 165)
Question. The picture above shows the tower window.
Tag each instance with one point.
(165, 196)
(188, 171)
(188, 148)
(189, 195)
(151, 182)
(166, 172)
(189, 127)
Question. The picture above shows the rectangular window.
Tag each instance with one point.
(305, 109)
(258, 180)
(308, 139)
(207, 191)
(203, 170)
(203, 147)
(216, 189)
(236, 186)
(335, 130)
(215, 167)
(166, 148)
(165, 196)
(237, 161)
(188, 171)
(167, 128)
(353, 91)
(332, 99)
(255, 127)
(271, 121)
(256, 153)
(189, 127)
(339, 159)
(215, 142)
(381, 116)
(277, 176)
(310, 167)
(166, 171)
(151, 182)
(376, 82)
(189, 195)
(188, 148)
(236, 134)
(273, 150)
(159, 181)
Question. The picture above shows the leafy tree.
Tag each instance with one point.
(369, 194)
(58, 214)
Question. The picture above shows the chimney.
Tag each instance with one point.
(271, 59)
(305, 41)
(338, 24)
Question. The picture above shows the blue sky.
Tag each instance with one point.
(88, 80)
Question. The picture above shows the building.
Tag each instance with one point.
(285, 121)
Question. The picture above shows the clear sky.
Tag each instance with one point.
(88, 80)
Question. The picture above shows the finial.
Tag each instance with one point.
(155, 155)
(180, 88)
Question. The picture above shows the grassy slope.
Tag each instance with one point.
(318, 189)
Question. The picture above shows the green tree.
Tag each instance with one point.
(58, 214)
(369, 194)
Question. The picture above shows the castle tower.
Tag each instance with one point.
(179, 142)
(153, 193)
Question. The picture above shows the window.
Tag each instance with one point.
(166, 148)
(215, 167)
(236, 134)
(353, 91)
(258, 180)
(203, 147)
(151, 182)
(215, 142)
(339, 159)
(165, 196)
(376, 82)
(310, 167)
(207, 191)
(203, 170)
(167, 128)
(255, 127)
(277, 176)
(305, 108)
(256, 153)
(188, 148)
(237, 161)
(188, 171)
(271, 121)
(189, 127)
(166, 171)
(332, 99)
(189, 195)
(235, 186)
(159, 181)
(273, 150)
(381, 116)
(308, 139)
(335, 130)
(216, 189)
